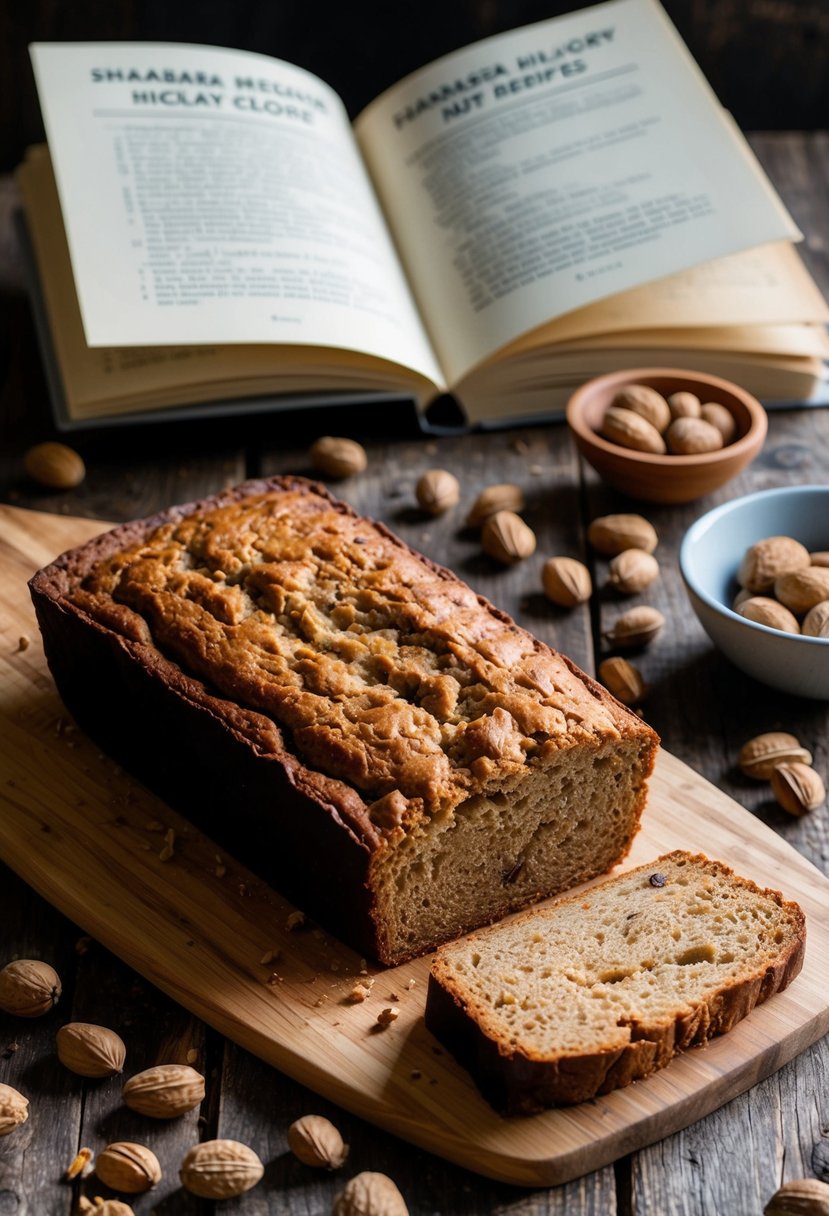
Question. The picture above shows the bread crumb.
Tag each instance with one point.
(386, 1016)
(411, 984)
(393, 996)
(168, 849)
(295, 921)
(359, 993)
(192, 1056)
(154, 825)
(415, 1074)
(220, 871)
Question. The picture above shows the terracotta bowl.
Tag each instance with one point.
(665, 479)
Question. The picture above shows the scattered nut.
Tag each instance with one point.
(611, 534)
(437, 491)
(631, 430)
(338, 458)
(801, 590)
(386, 1016)
(797, 787)
(646, 402)
(692, 436)
(14, 1109)
(79, 1164)
(220, 1169)
(107, 1207)
(722, 418)
(760, 756)
(295, 921)
(765, 611)
(28, 988)
(89, 1050)
(131, 1168)
(315, 1141)
(816, 622)
(684, 405)
(622, 679)
(359, 993)
(54, 465)
(801, 1197)
(769, 558)
(507, 538)
(635, 628)
(165, 1091)
(566, 581)
(632, 570)
(370, 1194)
(501, 497)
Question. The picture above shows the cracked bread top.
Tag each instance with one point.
(384, 671)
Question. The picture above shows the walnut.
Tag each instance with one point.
(131, 1168)
(220, 1169)
(338, 458)
(28, 988)
(89, 1050)
(14, 1109)
(437, 490)
(370, 1194)
(315, 1141)
(165, 1091)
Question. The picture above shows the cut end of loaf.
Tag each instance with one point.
(602, 989)
(557, 825)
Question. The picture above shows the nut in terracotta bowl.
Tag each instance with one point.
(666, 477)
(710, 559)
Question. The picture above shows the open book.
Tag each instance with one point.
(547, 204)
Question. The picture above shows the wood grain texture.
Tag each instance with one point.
(89, 838)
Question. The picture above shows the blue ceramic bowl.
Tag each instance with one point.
(709, 557)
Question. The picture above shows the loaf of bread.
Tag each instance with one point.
(383, 745)
(603, 988)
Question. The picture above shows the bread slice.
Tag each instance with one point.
(603, 988)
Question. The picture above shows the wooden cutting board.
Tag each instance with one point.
(91, 840)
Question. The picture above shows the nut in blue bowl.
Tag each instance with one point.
(710, 556)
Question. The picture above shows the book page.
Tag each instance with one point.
(548, 167)
(211, 196)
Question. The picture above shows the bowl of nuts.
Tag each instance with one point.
(665, 435)
(757, 573)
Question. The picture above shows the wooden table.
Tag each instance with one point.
(703, 708)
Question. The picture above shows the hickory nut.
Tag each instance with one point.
(801, 590)
(802, 1197)
(816, 622)
(690, 436)
(760, 756)
(501, 497)
(566, 581)
(131, 1168)
(765, 611)
(220, 1169)
(370, 1194)
(315, 1141)
(14, 1109)
(635, 628)
(622, 679)
(338, 457)
(437, 491)
(647, 403)
(165, 1091)
(630, 430)
(611, 534)
(798, 788)
(507, 538)
(54, 465)
(720, 417)
(89, 1050)
(684, 405)
(28, 988)
(632, 571)
(769, 558)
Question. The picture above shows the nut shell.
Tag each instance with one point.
(128, 1167)
(636, 627)
(646, 402)
(566, 581)
(767, 559)
(765, 611)
(338, 457)
(816, 622)
(684, 405)
(798, 788)
(54, 465)
(632, 570)
(370, 1194)
(507, 538)
(29, 988)
(90, 1050)
(437, 490)
(315, 1141)
(623, 680)
(630, 430)
(220, 1169)
(501, 497)
(801, 1197)
(165, 1091)
(692, 436)
(612, 534)
(720, 417)
(14, 1109)
(760, 756)
(801, 590)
